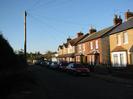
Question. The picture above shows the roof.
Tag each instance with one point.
(124, 26)
(60, 46)
(118, 49)
(65, 45)
(76, 40)
(97, 34)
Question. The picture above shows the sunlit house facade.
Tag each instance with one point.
(121, 43)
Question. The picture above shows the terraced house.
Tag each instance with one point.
(121, 42)
(112, 45)
(66, 52)
(94, 48)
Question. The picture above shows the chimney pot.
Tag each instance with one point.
(80, 34)
(68, 39)
(92, 30)
(117, 20)
(128, 15)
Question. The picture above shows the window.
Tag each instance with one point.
(80, 47)
(70, 49)
(125, 37)
(115, 59)
(118, 39)
(119, 59)
(83, 47)
(91, 45)
(96, 44)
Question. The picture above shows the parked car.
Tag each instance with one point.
(62, 66)
(37, 62)
(43, 63)
(48, 63)
(54, 65)
(77, 69)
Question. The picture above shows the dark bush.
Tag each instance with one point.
(13, 70)
(8, 59)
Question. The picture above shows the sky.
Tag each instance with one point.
(51, 22)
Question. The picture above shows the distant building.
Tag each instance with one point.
(54, 57)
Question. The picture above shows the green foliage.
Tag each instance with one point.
(48, 55)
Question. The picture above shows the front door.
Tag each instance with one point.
(97, 59)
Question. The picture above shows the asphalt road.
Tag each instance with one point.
(58, 85)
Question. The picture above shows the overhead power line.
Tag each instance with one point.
(61, 21)
(38, 4)
(34, 5)
(50, 4)
(59, 4)
(44, 23)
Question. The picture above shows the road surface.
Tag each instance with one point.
(59, 85)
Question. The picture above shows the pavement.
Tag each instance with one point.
(111, 78)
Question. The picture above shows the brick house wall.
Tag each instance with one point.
(88, 49)
(127, 46)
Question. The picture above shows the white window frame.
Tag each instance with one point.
(125, 37)
(80, 48)
(96, 44)
(73, 49)
(119, 63)
(83, 47)
(118, 38)
(70, 49)
(91, 45)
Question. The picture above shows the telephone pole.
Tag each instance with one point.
(25, 35)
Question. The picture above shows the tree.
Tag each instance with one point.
(48, 55)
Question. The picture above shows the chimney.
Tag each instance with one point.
(117, 20)
(68, 39)
(128, 15)
(92, 30)
(80, 34)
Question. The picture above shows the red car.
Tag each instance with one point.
(77, 69)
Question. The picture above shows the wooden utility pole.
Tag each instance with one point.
(25, 41)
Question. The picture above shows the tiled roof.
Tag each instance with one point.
(124, 26)
(96, 34)
(76, 40)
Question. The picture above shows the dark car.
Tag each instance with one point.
(77, 69)
(54, 65)
(62, 66)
